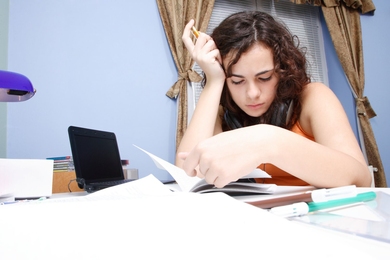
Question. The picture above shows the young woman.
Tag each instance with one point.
(258, 108)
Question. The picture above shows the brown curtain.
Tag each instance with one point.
(343, 21)
(175, 14)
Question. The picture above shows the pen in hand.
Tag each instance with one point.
(195, 32)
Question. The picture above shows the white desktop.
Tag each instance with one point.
(144, 219)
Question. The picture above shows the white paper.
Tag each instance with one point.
(180, 226)
(26, 178)
(183, 180)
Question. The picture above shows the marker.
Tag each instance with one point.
(302, 208)
(319, 195)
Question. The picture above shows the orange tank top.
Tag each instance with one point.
(279, 176)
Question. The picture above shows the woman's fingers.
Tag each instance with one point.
(187, 36)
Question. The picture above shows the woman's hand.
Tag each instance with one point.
(225, 157)
(204, 53)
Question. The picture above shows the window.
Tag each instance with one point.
(302, 20)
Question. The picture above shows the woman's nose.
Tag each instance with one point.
(253, 91)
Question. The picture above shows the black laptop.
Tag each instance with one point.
(96, 158)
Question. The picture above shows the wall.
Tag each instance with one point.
(106, 65)
(3, 66)
(376, 71)
(376, 42)
(97, 64)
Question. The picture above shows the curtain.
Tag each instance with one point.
(175, 14)
(343, 21)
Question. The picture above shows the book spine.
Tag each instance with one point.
(59, 158)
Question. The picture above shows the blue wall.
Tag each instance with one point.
(97, 64)
(376, 42)
(376, 56)
(107, 65)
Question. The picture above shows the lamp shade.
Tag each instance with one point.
(15, 87)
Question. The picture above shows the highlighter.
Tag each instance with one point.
(195, 32)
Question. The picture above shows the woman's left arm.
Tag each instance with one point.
(338, 154)
(334, 159)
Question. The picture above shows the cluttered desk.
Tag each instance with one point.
(144, 219)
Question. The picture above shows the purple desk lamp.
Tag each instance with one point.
(15, 87)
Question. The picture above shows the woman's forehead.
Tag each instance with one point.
(258, 55)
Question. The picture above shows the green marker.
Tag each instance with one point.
(361, 197)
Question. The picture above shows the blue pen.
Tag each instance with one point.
(8, 202)
(302, 208)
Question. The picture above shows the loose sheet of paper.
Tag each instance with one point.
(185, 182)
(26, 178)
(146, 187)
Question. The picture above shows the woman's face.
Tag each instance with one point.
(253, 82)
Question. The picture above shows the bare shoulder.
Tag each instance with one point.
(317, 90)
(320, 108)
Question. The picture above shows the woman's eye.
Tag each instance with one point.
(265, 79)
(237, 82)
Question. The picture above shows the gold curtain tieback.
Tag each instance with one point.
(364, 107)
(190, 75)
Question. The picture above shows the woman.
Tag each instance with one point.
(258, 108)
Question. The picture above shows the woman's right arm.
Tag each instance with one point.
(205, 120)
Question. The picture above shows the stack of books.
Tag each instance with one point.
(62, 163)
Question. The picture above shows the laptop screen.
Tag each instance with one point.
(95, 154)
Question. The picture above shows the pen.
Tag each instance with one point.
(8, 202)
(195, 32)
(319, 195)
(302, 208)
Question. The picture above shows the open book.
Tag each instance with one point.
(196, 184)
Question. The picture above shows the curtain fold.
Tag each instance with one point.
(364, 6)
(175, 14)
(343, 21)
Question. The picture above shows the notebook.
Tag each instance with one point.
(96, 158)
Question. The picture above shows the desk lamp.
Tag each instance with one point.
(15, 87)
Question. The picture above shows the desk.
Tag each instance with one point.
(170, 226)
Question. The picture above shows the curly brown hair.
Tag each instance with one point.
(236, 34)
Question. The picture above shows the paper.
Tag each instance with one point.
(148, 186)
(184, 181)
(26, 178)
(195, 184)
(177, 226)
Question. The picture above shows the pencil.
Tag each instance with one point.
(195, 32)
(319, 195)
(281, 201)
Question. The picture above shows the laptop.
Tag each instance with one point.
(96, 158)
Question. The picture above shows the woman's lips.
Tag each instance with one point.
(254, 106)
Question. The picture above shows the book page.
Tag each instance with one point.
(193, 184)
(184, 181)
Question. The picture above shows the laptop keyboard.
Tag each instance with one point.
(109, 183)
